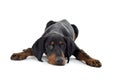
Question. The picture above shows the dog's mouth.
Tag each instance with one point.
(56, 60)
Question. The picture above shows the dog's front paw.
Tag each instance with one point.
(93, 63)
(18, 56)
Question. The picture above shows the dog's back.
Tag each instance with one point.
(62, 28)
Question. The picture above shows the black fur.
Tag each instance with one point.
(56, 33)
(57, 43)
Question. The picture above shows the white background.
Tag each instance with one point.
(23, 21)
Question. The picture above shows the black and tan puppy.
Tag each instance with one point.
(57, 43)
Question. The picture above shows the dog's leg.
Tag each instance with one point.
(22, 55)
(84, 57)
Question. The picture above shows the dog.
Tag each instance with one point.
(58, 44)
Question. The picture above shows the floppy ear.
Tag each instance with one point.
(70, 46)
(38, 48)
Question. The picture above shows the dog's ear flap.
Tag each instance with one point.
(38, 48)
(70, 46)
(50, 23)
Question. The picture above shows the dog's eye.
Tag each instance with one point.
(61, 45)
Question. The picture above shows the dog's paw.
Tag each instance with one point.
(93, 63)
(18, 56)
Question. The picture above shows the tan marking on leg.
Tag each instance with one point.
(82, 56)
(22, 55)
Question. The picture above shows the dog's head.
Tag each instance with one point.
(57, 49)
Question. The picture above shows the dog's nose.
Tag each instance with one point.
(59, 61)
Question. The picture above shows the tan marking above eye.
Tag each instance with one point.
(60, 42)
(52, 43)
